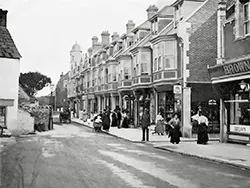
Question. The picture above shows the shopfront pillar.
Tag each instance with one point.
(99, 108)
(136, 122)
(112, 102)
(186, 112)
(120, 100)
(223, 122)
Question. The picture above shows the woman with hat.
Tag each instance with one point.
(175, 132)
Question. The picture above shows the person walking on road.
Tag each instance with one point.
(145, 123)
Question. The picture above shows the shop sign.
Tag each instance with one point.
(240, 129)
(177, 89)
(237, 67)
(228, 69)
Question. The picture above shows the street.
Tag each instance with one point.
(74, 156)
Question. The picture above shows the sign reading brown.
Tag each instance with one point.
(237, 67)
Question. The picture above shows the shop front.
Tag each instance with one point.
(231, 81)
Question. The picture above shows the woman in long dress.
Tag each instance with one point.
(175, 132)
(106, 120)
(159, 124)
(202, 124)
(125, 119)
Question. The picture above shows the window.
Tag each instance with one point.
(159, 63)
(144, 68)
(246, 19)
(155, 64)
(3, 116)
(126, 75)
(168, 62)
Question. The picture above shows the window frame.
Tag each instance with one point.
(246, 22)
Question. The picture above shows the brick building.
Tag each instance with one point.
(162, 63)
(61, 92)
(231, 75)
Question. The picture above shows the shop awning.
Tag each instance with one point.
(6, 102)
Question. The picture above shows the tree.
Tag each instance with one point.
(32, 82)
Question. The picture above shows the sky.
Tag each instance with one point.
(44, 31)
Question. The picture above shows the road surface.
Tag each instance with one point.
(73, 156)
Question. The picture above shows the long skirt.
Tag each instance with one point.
(202, 134)
(159, 127)
(175, 135)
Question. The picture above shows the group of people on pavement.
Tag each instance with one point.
(108, 118)
(173, 127)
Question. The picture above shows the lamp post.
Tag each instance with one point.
(52, 87)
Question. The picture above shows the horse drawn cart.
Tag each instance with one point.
(64, 117)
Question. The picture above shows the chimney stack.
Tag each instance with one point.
(115, 36)
(94, 40)
(130, 26)
(105, 38)
(61, 75)
(90, 52)
(3, 18)
(152, 10)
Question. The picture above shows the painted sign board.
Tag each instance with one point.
(245, 129)
(177, 89)
(227, 69)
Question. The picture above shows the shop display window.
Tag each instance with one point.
(2, 116)
(166, 104)
(210, 109)
(239, 109)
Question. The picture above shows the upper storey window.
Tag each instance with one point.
(246, 18)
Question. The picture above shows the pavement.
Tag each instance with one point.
(231, 154)
(75, 156)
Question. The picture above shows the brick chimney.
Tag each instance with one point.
(105, 38)
(130, 26)
(3, 18)
(152, 10)
(94, 40)
(115, 36)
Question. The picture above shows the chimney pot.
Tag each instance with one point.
(130, 26)
(94, 40)
(115, 36)
(152, 10)
(3, 17)
(105, 38)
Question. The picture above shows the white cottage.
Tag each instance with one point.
(9, 75)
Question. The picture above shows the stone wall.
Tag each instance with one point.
(23, 125)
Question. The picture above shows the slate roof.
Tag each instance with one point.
(8, 48)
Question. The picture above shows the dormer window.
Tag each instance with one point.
(246, 18)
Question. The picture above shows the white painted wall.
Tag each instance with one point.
(9, 85)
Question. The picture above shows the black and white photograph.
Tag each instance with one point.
(124, 93)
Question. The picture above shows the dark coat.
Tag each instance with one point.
(145, 122)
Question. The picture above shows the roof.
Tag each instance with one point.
(164, 12)
(144, 42)
(144, 25)
(8, 48)
(76, 48)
